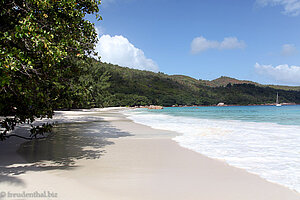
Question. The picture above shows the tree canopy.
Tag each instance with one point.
(132, 87)
(38, 41)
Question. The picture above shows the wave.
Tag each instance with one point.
(269, 150)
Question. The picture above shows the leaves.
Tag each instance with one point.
(38, 40)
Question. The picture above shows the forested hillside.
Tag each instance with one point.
(131, 87)
(224, 80)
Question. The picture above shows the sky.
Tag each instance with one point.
(257, 40)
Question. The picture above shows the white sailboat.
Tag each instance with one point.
(277, 101)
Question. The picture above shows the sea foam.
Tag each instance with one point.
(269, 150)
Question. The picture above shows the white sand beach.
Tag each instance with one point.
(136, 163)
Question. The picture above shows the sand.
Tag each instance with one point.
(139, 163)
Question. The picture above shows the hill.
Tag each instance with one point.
(224, 81)
(130, 87)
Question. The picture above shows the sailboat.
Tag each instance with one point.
(277, 101)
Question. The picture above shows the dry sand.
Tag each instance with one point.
(147, 165)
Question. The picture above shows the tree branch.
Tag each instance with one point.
(26, 138)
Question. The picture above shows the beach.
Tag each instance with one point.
(129, 161)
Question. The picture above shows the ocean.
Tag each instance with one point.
(264, 140)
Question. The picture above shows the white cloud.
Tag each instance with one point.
(291, 7)
(232, 43)
(288, 50)
(200, 44)
(118, 50)
(281, 73)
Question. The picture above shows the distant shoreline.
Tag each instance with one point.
(225, 105)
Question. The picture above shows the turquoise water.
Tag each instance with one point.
(264, 140)
(285, 115)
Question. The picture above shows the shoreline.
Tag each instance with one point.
(144, 164)
(229, 105)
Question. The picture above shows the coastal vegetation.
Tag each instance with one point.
(223, 81)
(39, 39)
(48, 62)
(132, 87)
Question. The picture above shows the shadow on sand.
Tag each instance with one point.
(67, 143)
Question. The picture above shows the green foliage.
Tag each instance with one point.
(38, 34)
(224, 80)
(39, 39)
(40, 130)
(86, 89)
(126, 85)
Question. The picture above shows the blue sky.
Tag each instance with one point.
(257, 40)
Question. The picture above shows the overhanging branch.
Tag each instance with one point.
(26, 138)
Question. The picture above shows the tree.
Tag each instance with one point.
(38, 38)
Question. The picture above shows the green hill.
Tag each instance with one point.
(130, 87)
(224, 80)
